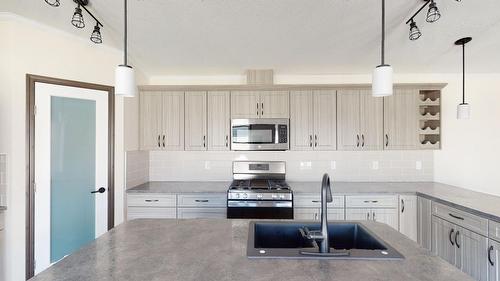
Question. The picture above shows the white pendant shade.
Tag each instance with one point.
(382, 81)
(463, 111)
(125, 84)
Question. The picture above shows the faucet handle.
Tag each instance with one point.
(310, 235)
(326, 184)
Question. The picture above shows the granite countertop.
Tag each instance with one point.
(216, 250)
(474, 202)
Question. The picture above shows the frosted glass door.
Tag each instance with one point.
(71, 163)
(72, 213)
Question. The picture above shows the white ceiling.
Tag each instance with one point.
(212, 37)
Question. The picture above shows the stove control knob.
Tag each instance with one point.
(259, 196)
(244, 195)
(282, 196)
(274, 196)
(236, 195)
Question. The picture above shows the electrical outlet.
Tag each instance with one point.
(418, 165)
(333, 165)
(375, 165)
(307, 165)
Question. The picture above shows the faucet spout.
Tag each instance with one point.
(326, 196)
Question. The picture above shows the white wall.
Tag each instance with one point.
(28, 47)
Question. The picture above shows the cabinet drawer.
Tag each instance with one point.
(494, 230)
(461, 218)
(314, 201)
(372, 201)
(151, 213)
(201, 213)
(154, 200)
(202, 200)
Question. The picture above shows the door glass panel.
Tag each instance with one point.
(73, 146)
(254, 134)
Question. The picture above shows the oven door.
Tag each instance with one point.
(237, 209)
(259, 134)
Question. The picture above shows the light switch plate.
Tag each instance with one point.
(333, 165)
(418, 165)
(375, 165)
(306, 165)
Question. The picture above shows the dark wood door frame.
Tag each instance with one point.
(30, 156)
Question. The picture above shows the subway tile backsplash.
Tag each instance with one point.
(137, 168)
(395, 166)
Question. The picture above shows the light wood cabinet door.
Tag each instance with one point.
(274, 104)
(443, 244)
(387, 216)
(306, 214)
(408, 216)
(195, 121)
(371, 121)
(348, 122)
(325, 120)
(173, 121)
(424, 223)
(245, 104)
(201, 213)
(301, 120)
(400, 120)
(493, 260)
(151, 117)
(472, 253)
(219, 120)
(336, 214)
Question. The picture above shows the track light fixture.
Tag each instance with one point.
(414, 31)
(53, 3)
(463, 109)
(433, 13)
(78, 21)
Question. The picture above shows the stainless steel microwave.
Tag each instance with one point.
(260, 134)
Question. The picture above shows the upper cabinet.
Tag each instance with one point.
(219, 120)
(401, 131)
(259, 104)
(162, 120)
(360, 120)
(313, 120)
(196, 121)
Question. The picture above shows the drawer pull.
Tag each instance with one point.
(151, 200)
(456, 217)
(201, 201)
(366, 201)
(456, 239)
(315, 201)
(490, 249)
(449, 236)
(374, 201)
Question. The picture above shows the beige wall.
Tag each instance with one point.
(28, 47)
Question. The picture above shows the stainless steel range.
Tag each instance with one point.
(259, 191)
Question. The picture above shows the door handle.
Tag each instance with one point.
(456, 217)
(363, 140)
(100, 190)
(456, 238)
(227, 140)
(386, 140)
(402, 206)
(316, 140)
(262, 107)
(374, 218)
(449, 236)
(163, 141)
(159, 141)
(490, 249)
(204, 141)
(257, 109)
(310, 140)
(368, 216)
(357, 140)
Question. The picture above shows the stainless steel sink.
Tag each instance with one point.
(348, 240)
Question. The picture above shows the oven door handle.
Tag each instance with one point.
(259, 204)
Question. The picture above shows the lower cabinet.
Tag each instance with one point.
(408, 216)
(387, 216)
(424, 222)
(151, 213)
(460, 247)
(493, 260)
(201, 213)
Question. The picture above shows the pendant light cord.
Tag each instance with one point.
(383, 34)
(125, 35)
(463, 73)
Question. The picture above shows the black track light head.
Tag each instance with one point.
(433, 13)
(96, 35)
(77, 20)
(53, 3)
(414, 31)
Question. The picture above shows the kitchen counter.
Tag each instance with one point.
(481, 204)
(216, 250)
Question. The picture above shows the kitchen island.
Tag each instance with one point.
(215, 250)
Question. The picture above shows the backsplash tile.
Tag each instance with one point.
(138, 165)
(395, 166)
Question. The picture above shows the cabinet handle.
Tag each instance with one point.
(402, 206)
(151, 200)
(490, 249)
(163, 141)
(386, 140)
(315, 201)
(257, 109)
(449, 236)
(374, 218)
(262, 107)
(366, 201)
(315, 216)
(201, 200)
(204, 141)
(368, 216)
(316, 140)
(363, 139)
(159, 141)
(456, 217)
(310, 140)
(227, 140)
(456, 238)
(375, 201)
(357, 140)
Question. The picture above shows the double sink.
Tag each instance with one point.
(347, 240)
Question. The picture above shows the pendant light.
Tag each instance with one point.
(382, 75)
(463, 109)
(125, 84)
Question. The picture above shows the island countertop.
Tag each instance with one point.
(216, 250)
